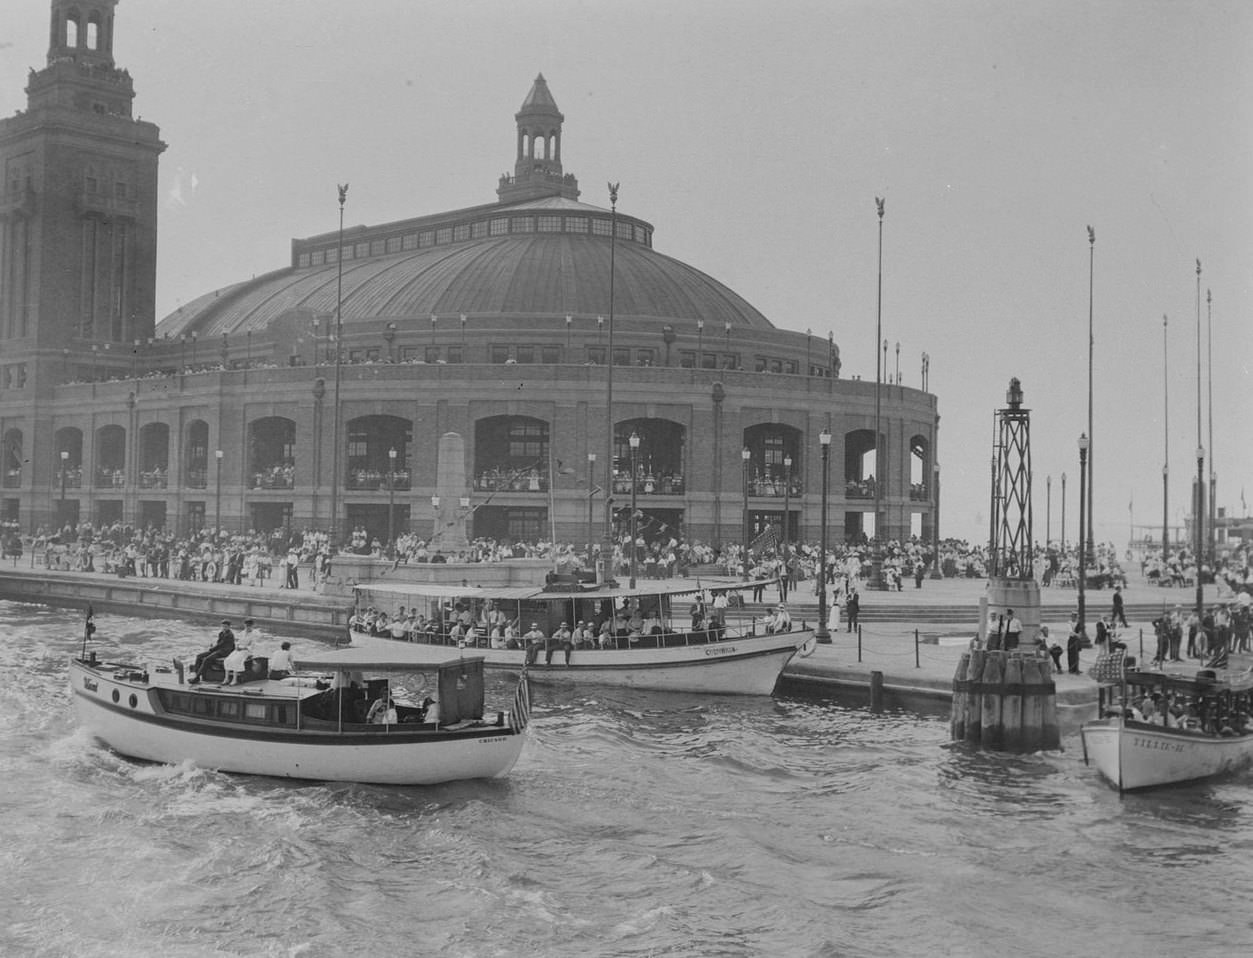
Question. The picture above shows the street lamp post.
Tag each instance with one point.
(787, 503)
(1166, 438)
(635, 448)
(746, 455)
(65, 461)
(821, 634)
(1090, 434)
(591, 496)
(1063, 513)
(217, 521)
(1084, 444)
(391, 500)
(1199, 529)
(1048, 510)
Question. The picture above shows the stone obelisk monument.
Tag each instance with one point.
(449, 534)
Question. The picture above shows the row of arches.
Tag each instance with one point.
(511, 453)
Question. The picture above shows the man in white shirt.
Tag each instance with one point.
(281, 662)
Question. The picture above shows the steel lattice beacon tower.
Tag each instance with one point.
(1004, 698)
(1011, 579)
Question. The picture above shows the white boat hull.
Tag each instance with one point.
(133, 725)
(741, 666)
(1132, 755)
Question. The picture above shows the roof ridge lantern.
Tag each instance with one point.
(537, 171)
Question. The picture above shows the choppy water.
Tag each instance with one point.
(634, 824)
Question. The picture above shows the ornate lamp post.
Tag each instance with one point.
(1048, 510)
(591, 496)
(746, 455)
(391, 500)
(635, 448)
(821, 634)
(787, 502)
(700, 344)
(389, 336)
(936, 571)
(217, 521)
(1063, 513)
(65, 462)
(1084, 444)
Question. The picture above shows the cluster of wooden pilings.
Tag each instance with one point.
(1005, 701)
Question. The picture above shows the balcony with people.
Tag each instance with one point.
(771, 461)
(657, 463)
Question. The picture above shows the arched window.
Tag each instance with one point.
(272, 453)
(93, 32)
(71, 30)
(11, 459)
(370, 442)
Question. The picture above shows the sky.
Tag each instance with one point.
(755, 137)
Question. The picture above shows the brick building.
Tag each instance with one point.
(517, 325)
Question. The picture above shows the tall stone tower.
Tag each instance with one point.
(78, 204)
(537, 171)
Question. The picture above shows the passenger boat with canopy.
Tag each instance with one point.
(663, 635)
(341, 717)
(1163, 728)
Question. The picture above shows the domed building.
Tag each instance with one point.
(527, 366)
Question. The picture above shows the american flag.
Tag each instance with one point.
(1109, 668)
(522, 704)
(768, 539)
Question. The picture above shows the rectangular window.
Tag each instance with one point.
(772, 451)
(645, 357)
(443, 236)
(526, 354)
(378, 247)
(687, 358)
(426, 238)
(550, 355)
(576, 224)
(119, 190)
(228, 709)
(708, 360)
(621, 357)
(759, 364)
(461, 233)
(362, 250)
(596, 355)
(410, 241)
(454, 354)
(776, 366)
(256, 711)
(790, 367)
(332, 255)
(524, 224)
(432, 354)
(358, 443)
(478, 230)
(641, 234)
(600, 227)
(393, 244)
(498, 354)
(409, 354)
(302, 260)
(550, 224)
(528, 440)
(499, 226)
(318, 257)
(527, 525)
(625, 231)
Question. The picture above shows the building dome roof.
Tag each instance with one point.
(510, 277)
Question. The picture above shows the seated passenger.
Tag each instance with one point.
(281, 662)
(782, 619)
(382, 711)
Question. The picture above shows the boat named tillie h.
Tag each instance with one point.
(1161, 728)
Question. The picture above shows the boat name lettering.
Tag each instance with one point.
(720, 650)
(494, 738)
(1140, 742)
(91, 685)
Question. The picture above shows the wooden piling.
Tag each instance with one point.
(1036, 687)
(991, 728)
(974, 701)
(1011, 704)
(876, 691)
(961, 696)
